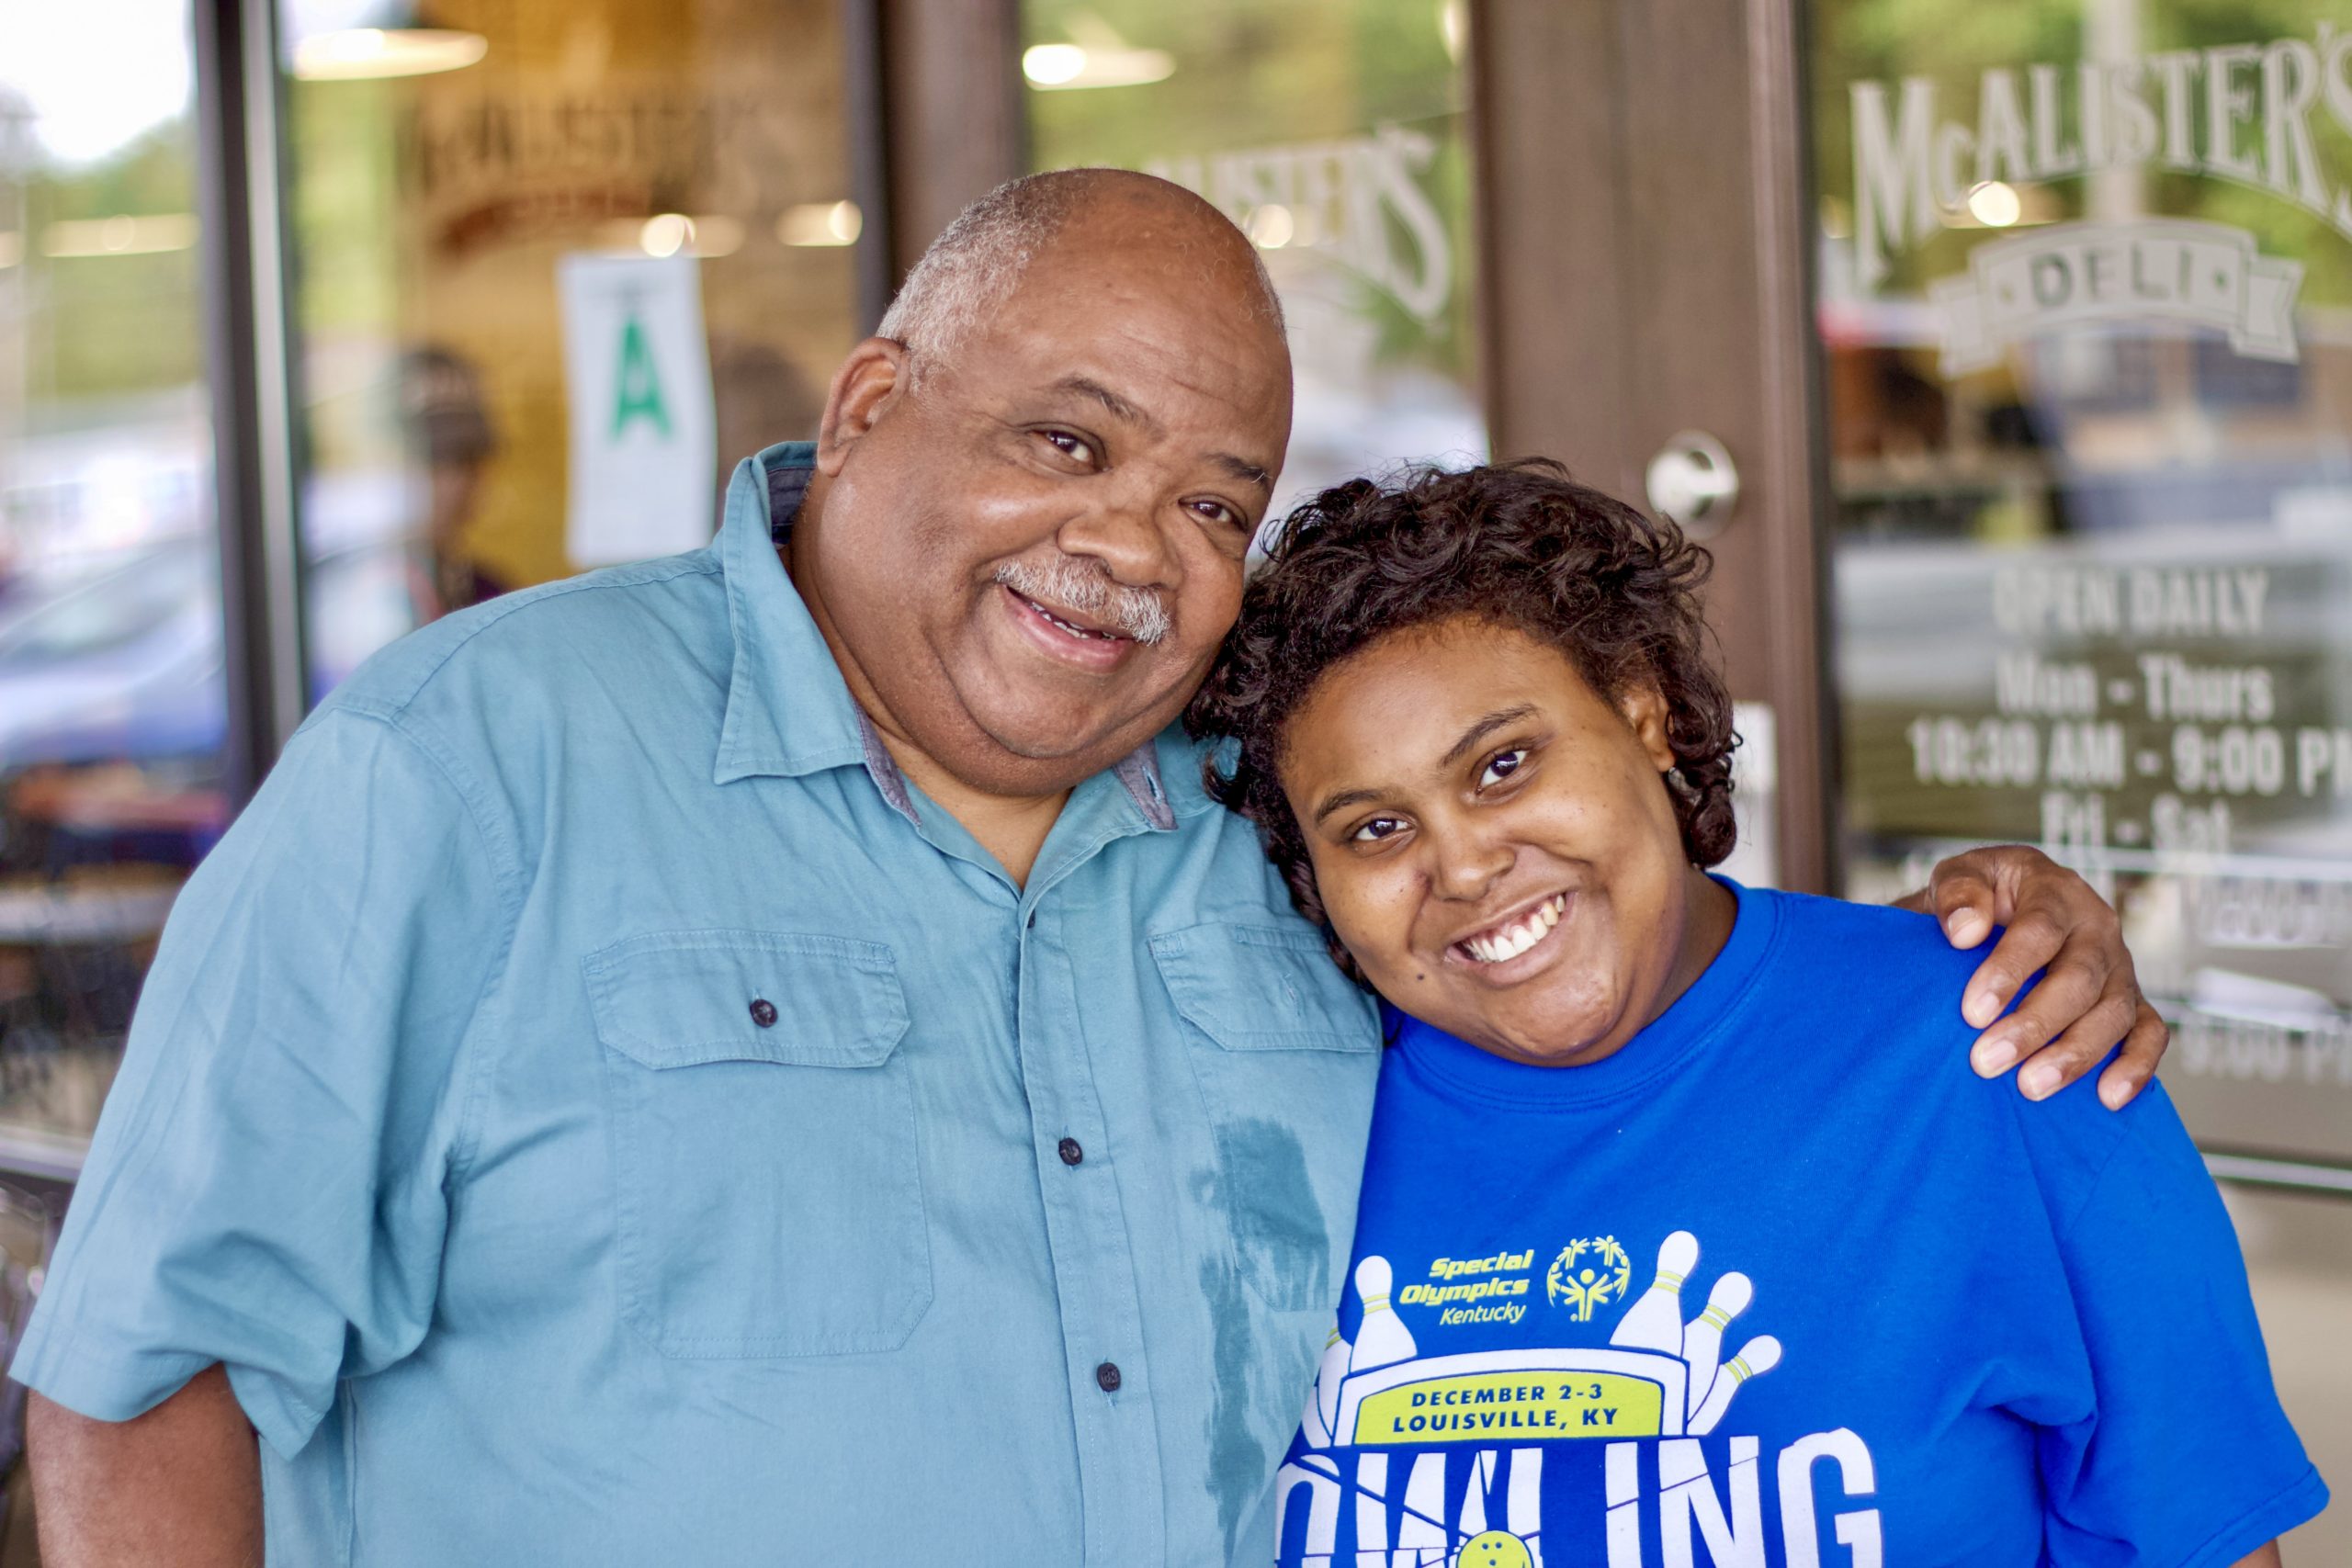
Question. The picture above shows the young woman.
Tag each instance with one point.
(1686, 1237)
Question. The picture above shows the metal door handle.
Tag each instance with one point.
(1693, 481)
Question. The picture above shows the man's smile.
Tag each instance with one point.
(1068, 620)
(1066, 636)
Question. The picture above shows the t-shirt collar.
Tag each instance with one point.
(1665, 1045)
(788, 710)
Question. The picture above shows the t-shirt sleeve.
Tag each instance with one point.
(265, 1187)
(2187, 1459)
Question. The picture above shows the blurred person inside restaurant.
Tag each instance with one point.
(451, 439)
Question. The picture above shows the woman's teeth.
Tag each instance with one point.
(1511, 941)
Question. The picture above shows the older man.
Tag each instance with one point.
(769, 1055)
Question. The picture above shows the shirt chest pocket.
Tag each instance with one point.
(768, 1179)
(1287, 1052)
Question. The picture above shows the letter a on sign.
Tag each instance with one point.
(640, 383)
(637, 374)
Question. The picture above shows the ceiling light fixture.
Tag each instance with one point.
(820, 223)
(121, 235)
(1099, 58)
(1995, 205)
(1270, 226)
(354, 54)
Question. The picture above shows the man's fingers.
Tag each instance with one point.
(2032, 941)
(2142, 1049)
(2082, 1046)
(2086, 1000)
(2071, 988)
(1963, 901)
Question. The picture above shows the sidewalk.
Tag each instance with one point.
(2299, 1253)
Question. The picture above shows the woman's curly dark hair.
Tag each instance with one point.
(1519, 545)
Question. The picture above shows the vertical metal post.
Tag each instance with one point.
(248, 374)
(951, 72)
(865, 97)
(1793, 435)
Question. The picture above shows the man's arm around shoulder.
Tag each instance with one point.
(179, 1484)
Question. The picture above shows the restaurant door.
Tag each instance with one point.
(1641, 179)
(2028, 341)
(2027, 332)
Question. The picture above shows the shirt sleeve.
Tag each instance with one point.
(2186, 1459)
(265, 1187)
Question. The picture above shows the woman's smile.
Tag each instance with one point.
(1494, 952)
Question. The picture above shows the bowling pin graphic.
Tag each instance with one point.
(1702, 1339)
(1755, 1357)
(1655, 1320)
(1382, 1339)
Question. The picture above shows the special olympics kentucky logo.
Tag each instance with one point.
(1589, 1273)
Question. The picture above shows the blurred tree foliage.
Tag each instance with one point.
(107, 326)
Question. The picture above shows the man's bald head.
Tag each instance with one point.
(976, 263)
(1035, 488)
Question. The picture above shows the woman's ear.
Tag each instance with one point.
(868, 384)
(1644, 709)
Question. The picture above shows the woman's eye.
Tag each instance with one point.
(1501, 765)
(1379, 827)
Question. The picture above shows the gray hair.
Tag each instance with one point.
(976, 263)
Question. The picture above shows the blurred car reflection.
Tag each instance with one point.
(123, 662)
(120, 663)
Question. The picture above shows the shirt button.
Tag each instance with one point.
(1072, 1154)
(763, 1013)
(1107, 1375)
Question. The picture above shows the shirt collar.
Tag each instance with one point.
(788, 710)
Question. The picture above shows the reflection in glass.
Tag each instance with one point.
(111, 701)
(2086, 312)
(1333, 134)
(442, 163)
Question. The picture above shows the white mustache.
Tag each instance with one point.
(1088, 591)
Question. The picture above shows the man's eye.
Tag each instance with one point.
(1069, 446)
(1501, 765)
(1376, 830)
(1219, 512)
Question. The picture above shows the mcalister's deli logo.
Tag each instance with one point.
(2271, 116)
(2205, 275)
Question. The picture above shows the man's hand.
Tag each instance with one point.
(180, 1485)
(2090, 996)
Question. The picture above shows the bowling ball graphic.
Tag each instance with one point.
(1495, 1549)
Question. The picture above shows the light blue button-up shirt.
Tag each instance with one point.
(601, 1113)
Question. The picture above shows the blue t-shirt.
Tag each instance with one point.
(1782, 1282)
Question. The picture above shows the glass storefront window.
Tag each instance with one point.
(1333, 132)
(2086, 315)
(447, 172)
(112, 695)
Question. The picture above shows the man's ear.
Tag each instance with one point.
(871, 382)
(1644, 709)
